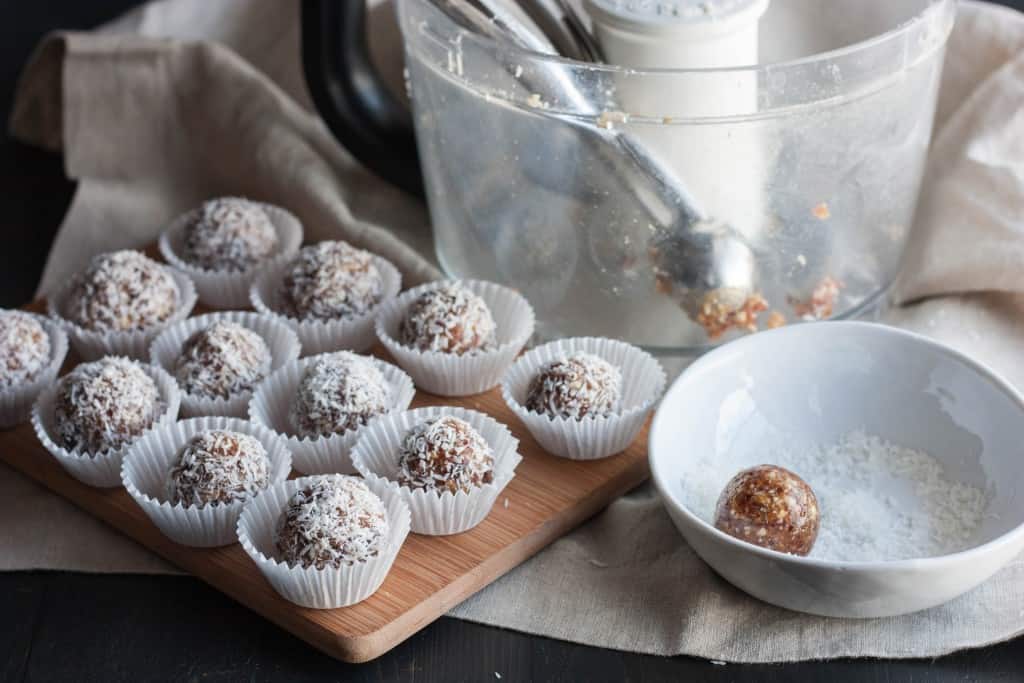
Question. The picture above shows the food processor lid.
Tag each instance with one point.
(673, 15)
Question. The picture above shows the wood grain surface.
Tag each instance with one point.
(548, 497)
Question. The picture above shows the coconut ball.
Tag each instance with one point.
(331, 521)
(445, 454)
(771, 507)
(218, 467)
(222, 360)
(574, 387)
(24, 348)
(331, 280)
(338, 392)
(228, 234)
(105, 405)
(122, 291)
(448, 319)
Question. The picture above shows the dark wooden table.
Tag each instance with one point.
(58, 626)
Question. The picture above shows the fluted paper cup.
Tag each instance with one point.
(272, 401)
(92, 344)
(103, 469)
(166, 348)
(326, 588)
(322, 336)
(593, 437)
(16, 402)
(148, 463)
(379, 446)
(230, 289)
(448, 374)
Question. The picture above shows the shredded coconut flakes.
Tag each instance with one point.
(338, 392)
(331, 280)
(445, 454)
(449, 319)
(24, 348)
(222, 360)
(574, 387)
(218, 466)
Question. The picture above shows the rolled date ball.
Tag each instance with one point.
(338, 392)
(330, 522)
(104, 405)
(448, 319)
(24, 348)
(771, 507)
(331, 280)
(122, 291)
(218, 467)
(445, 454)
(575, 387)
(228, 234)
(222, 360)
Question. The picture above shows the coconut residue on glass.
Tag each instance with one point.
(878, 500)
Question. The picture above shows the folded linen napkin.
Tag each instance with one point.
(183, 99)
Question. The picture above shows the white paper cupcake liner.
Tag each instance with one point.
(165, 349)
(92, 345)
(150, 459)
(446, 374)
(16, 402)
(102, 470)
(643, 381)
(272, 400)
(322, 336)
(326, 588)
(221, 289)
(376, 455)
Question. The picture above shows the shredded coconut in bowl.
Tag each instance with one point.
(338, 392)
(104, 405)
(218, 467)
(332, 521)
(228, 234)
(24, 348)
(877, 500)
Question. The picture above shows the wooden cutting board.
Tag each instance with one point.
(548, 497)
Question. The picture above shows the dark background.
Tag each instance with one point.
(79, 627)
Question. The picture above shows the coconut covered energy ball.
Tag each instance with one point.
(331, 522)
(222, 360)
(771, 507)
(218, 467)
(338, 392)
(574, 387)
(122, 291)
(331, 280)
(448, 319)
(228, 234)
(24, 348)
(105, 405)
(445, 454)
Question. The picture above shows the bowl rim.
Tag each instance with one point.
(670, 500)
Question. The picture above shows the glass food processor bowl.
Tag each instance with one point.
(813, 156)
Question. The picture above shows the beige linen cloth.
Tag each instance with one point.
(184, 99)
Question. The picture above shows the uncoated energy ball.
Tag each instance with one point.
(338, 392)
(448, 319)
(445, 454)
(330, 522)
(104, 405)
(218, 467)
(331, 280)
(122, 291)
(24, 348)
(575, 387)
(771, 507)
(228, 234)
(222, 360)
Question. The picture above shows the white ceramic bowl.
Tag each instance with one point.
(815, 383)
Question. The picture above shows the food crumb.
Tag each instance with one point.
(506, 503)
(801, 259)
(822, 301)
(775, 320)
(497, 675)
(598, 563)
(821, 212)
(535, 101)
(718, 662)
(717, 317)
(608, 119)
